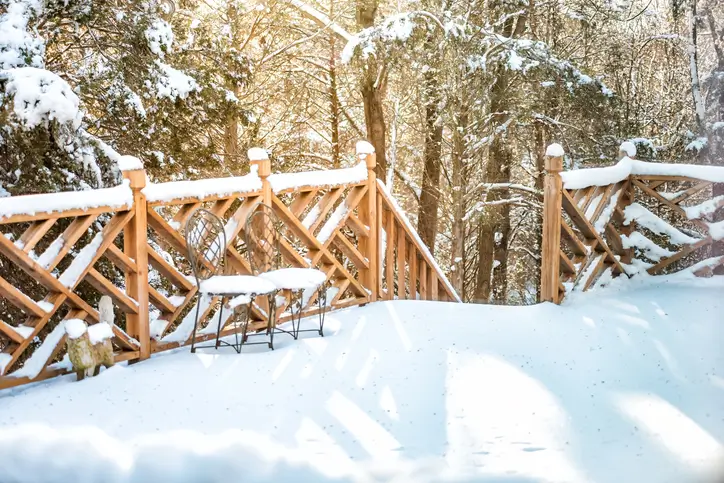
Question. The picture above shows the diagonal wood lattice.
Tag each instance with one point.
(136, 253)
(657, 224)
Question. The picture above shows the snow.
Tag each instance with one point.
(160, 37)
(117, 197)
(173, 83)
(629, 148)
(295, 278)
(421, 246)
(706, 208)
(40, 96)
(606, 213)
(339, 214)
(239, 300)
(555, 150)
(643, 217)
(716, 230)
(129, 163)
(18, 47)
(99, 332)
(75, 328)
(257, 154)
(319, 179)
(82, 260)
(236, 284)
(202, 188)
(606, 389)
(650, 250)
(697, 144)
(364, 147)
(583, 178)
(40, 356)
(51, 252)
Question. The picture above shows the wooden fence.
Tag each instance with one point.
(634, 219)
(127, 242)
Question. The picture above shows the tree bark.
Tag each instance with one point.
(457, 254)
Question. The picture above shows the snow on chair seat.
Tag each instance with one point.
(295, 278)
(264, 235)
(236, 285)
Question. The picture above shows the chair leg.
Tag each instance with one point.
(322, 299)
(196, 324)
(271, 321)
(218, 327)
(237, 346)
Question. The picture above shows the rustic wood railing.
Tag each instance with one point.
(127, 242)
(632, 219)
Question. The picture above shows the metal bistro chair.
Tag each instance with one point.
(206, 245)
(263, 236)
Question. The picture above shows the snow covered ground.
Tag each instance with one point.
(613, 387)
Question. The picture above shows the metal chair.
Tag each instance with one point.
(206, 246)
(264, 235)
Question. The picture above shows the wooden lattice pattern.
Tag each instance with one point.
(657, 224)
(137, 255)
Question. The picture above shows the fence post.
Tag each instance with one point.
(369, 217)
(134, 246)
(552, 203)
(260, 158)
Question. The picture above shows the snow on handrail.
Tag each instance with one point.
(203, 188)
(119, 196)
(318, 179)
(400, 213)
(583, 178)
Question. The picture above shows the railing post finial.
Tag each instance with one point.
(260, 158)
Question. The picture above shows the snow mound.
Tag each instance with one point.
(99, 332)
(607, 387)
(364, 147)
(629, 148)
(257, 154)
(555, 150)
(75, 328)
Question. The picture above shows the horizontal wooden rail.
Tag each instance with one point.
(128, 243)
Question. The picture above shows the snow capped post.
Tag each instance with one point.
(134, 246)
(369, 216)
(259, 158)
(552, 204)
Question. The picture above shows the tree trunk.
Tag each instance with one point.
(430, 194)
(333, 98)
(373, 82)
(458, 195)
(494, 231)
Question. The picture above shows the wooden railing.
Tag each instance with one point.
(633, 219)
(127, 242)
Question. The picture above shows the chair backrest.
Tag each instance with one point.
(205, 243)
(262, 236)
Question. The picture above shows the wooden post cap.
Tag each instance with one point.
(366, 150)
(554, 158)
(133, 171)
(260, 158)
